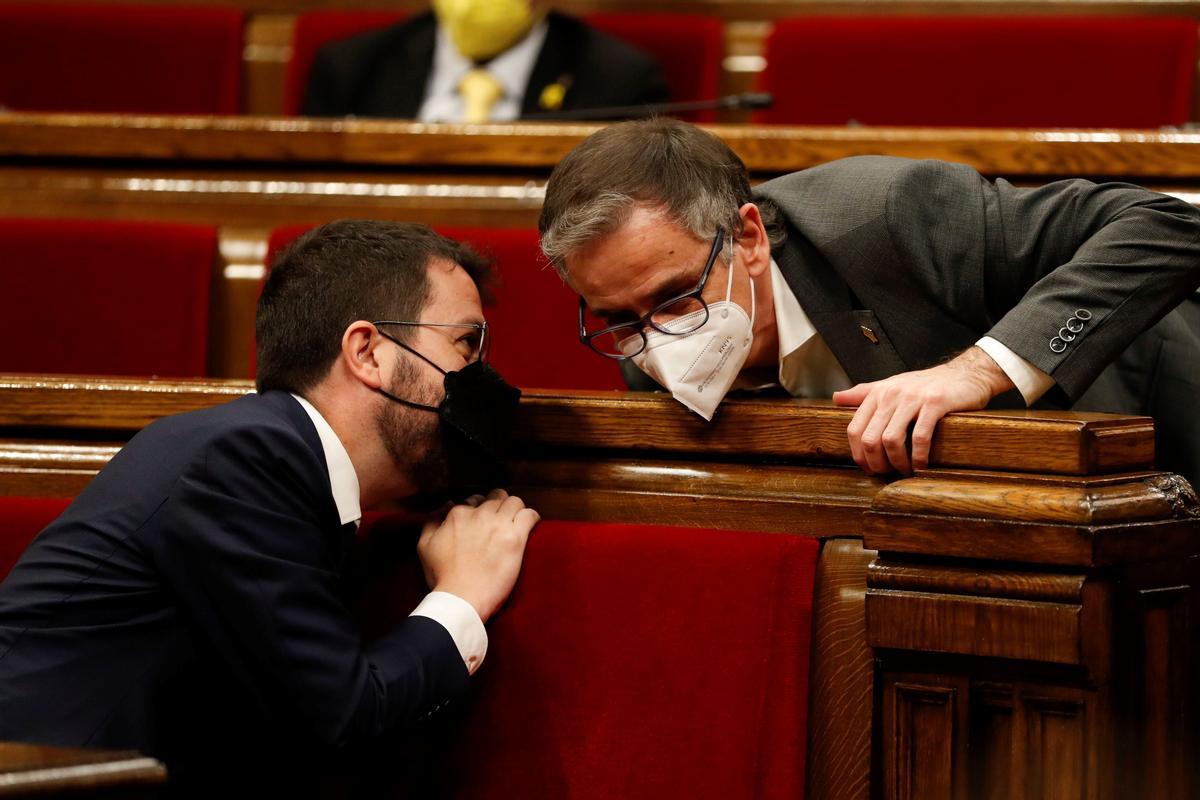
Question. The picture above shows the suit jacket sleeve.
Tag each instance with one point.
(328, 89)
(1124, 254)
(243, 543)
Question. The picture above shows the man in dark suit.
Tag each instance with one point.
(539, 63)
(910, 289)
(188, 603)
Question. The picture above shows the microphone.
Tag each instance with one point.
(746, 100)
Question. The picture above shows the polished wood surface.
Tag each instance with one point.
(537, 147)
(1062, 443)
(979, 632)
(842, 677)
(30, 770)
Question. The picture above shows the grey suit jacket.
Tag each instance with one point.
(902, 264)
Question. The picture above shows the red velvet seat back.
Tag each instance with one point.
(120, 58)
(314, 30)
(687, 47)
(105, 298)
(638, 662)
(21, 519)
(1125, 72)
(534, 322)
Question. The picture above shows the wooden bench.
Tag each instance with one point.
(1016, 621)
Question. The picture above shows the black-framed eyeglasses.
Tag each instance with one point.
(472, 341)
(685, 314)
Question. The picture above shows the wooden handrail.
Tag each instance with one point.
(537, 147)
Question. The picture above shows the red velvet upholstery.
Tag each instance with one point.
(637, 662)
(534, 321)
(105, 298)
(687, 47)
(21, 519)
(1129, 72)
(120, 58)
(313, 30)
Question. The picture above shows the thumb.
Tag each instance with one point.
(852, 396)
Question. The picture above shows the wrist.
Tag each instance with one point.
(984, 369)
(464, 593)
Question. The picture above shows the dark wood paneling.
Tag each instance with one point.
(29, 770)
(842, 681)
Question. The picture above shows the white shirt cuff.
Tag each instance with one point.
(461, 621)
(1030, 381)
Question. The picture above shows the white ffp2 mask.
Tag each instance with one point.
(698, 368)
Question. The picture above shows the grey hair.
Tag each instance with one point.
(686, 173)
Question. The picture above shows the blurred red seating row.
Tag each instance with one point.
(133, 298)
(1121, 71)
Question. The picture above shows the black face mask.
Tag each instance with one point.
(476, 413)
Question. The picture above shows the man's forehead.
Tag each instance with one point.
(453, 295)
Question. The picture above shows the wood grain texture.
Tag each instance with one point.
(1136, 517)
(975, 580)
(801, 430)
(29, 770)
(975, 626)
(924, 742)
(537, 147)
(842, 677)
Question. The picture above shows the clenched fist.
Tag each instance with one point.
(476, 551)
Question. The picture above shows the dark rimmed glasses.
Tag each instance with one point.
(685, 313)
(472, 341)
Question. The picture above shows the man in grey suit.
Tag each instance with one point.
(910, 289)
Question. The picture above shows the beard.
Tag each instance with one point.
(413, 437)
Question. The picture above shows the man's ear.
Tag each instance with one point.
(752, 240)
(361, 345)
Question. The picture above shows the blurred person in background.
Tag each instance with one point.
(480, 61)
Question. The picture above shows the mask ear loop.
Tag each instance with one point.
(729, 288)
(401, 400)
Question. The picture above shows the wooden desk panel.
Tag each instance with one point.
(988, 659)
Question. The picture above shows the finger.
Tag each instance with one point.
(525, 520)
(855, 429)
(853, 396)
(509, 508)
(895, 438)
(474, 500)
(872, 439)
(494, 498)
(427, 531)
(922, 436)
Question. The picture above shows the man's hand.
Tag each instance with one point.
(476, 551)
(886, 408)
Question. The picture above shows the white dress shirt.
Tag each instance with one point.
(808, 368)
(456, 615)
(511, 69)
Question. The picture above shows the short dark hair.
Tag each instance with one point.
(686, 171)
(335, 274)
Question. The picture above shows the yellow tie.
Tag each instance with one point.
(479, 91)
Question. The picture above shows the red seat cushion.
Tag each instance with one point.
(1126, 72)
(638, 662)
(105, 298)
(687, 47)
(534, 321)
(21, 519)
(120, 58)
(314, 30)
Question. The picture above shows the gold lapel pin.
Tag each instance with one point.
(870, 334)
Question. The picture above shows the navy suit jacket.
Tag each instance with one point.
(188, 605)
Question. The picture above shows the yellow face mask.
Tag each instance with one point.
(482, 29)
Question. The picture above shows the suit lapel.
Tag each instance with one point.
(555, 64)
(404, 70)
(855, 335)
